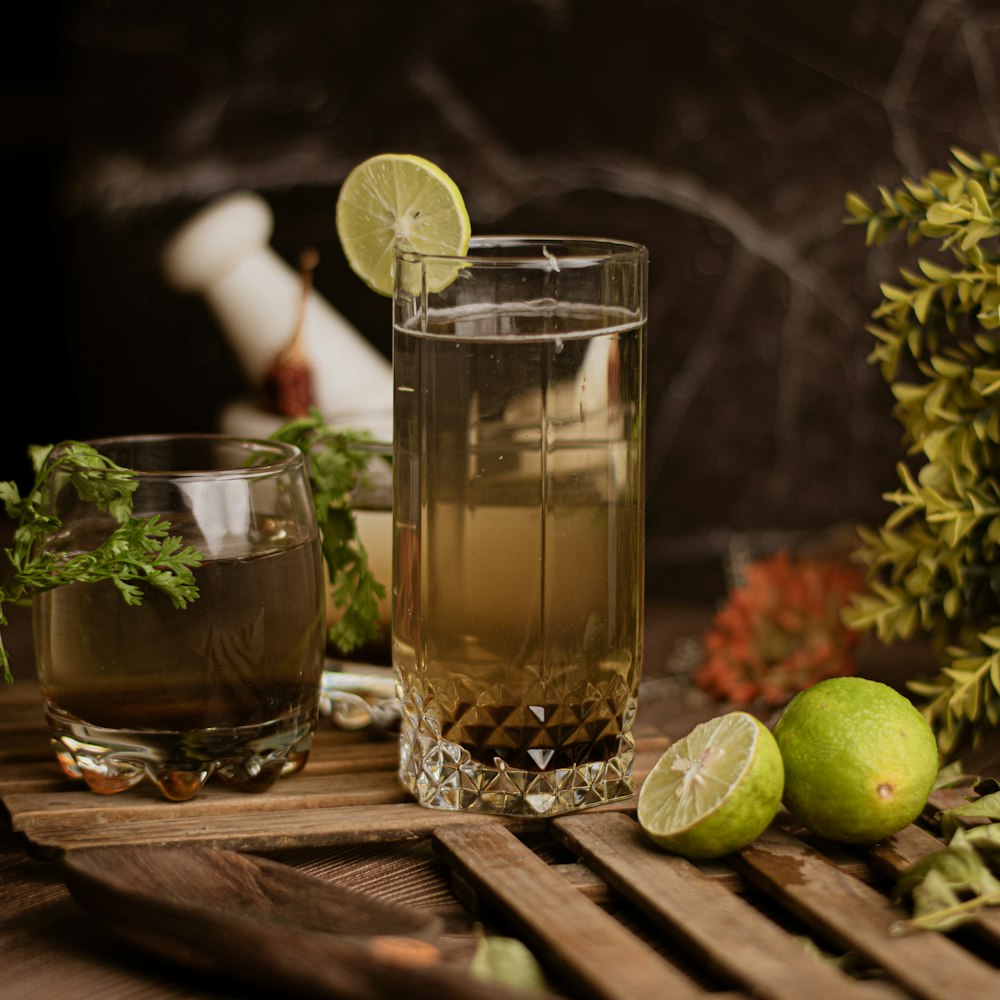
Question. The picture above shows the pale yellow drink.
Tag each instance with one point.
(518, 586)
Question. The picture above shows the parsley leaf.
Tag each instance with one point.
(139, 551)
(336, 465)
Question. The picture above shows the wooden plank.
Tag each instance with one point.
(266, 831)
(345, 771)
(365, 771)
(859, 918)
(25, 746)
(35, 776)
(21, 699)
(302, 791)
(587, 947)
(25, 728)
(269, 925)
(893, 856)
(23, 742)
(49, 835)
(583, 879)
(333, 757)
(725, 931)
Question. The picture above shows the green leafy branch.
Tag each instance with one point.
(933, 566)
(139, 551)
(945, 318)
(965, 696)
(336, 465)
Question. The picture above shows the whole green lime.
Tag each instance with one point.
(860, 760)
(715, 790)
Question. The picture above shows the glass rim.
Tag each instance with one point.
(594, 250)
(289, 455)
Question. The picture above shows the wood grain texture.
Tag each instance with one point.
(348, 793)
(345, 818)
(230, 884)
(857, 917)
(268, 830)
(728, 934)
(588, 946)
(307, 791)
(267, 924)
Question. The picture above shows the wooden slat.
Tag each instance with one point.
(893, 856)
(859, 918)
(56, 814)
(31, 729)
(23, 742)
(302, 791)
(349, 795)
(267, 831)
(268, 925)
(28, 752)
(724, 930)
(35, 776)
(588, 947)
(22, 699)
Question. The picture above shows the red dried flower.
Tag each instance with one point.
(781, 631)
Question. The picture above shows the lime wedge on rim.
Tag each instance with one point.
(715, 790)
(399, 200)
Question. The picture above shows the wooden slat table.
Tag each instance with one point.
(607, 914)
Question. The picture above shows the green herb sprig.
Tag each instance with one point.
(336, 465)
(934, 565)
(140, 551)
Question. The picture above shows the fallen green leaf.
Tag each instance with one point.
(948, 887)
(986, 807)
(507, 960)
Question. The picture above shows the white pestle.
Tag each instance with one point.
(223, 252)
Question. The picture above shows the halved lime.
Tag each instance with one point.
(714, 790)
(399, 200)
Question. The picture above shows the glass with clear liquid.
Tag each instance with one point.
(518, 471)
(228, 685)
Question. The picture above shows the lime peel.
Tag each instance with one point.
(715, 790)
(396, 201)
(860, 759)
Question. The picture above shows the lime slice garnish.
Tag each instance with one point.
(398, 200)
(714, 790)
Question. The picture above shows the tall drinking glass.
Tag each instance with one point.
(518, 511)
(228, 685)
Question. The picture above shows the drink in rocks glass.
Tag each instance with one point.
(518, 510)
(229, 684)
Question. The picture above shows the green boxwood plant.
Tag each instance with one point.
(933, 567)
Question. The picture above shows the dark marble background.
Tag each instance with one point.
(723, 134)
